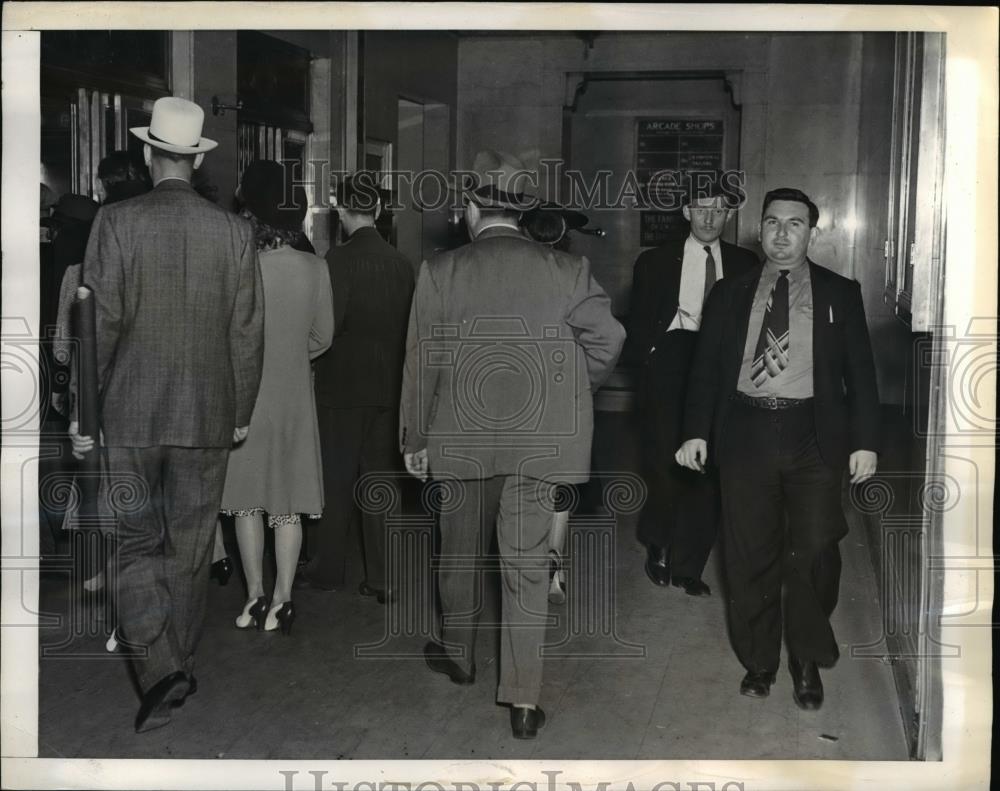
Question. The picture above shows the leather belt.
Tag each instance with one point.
(770, 402)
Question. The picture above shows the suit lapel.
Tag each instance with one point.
(669, 280)
(820, 300)
(728, 259)
(742, 305)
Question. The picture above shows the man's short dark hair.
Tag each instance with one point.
(115, 167)
(359, 193)
(791, 194)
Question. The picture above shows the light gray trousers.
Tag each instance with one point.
(520, 508)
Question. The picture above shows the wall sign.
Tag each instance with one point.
(684, 146)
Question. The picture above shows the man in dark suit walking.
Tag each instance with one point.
(180, 320)
(783, 393)
(508, 340)
(358, 382)
(679, 521)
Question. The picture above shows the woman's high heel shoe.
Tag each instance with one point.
(280, 617)
(253, 614)
(222, 570)
(557, 589)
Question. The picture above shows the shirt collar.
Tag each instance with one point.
(692, 245)
(795, 273)
(172, 181)
(498, 227)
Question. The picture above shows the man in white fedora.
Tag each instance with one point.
(508, 339)
(180, 315)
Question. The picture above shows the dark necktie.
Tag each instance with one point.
(772, 353)
(709, 270)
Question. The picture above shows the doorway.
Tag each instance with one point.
(422, 150)
(624, 126)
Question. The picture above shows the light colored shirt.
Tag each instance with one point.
(691, 295)
(796, 381)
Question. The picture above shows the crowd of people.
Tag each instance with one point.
(241, 375)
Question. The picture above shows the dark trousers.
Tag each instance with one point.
(521, 510)
(166, 500)
(782, 519)
(356, 441)
(682, 506)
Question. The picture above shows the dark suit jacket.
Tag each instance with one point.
(180, 319)
(508, 340)
(372, 291)
(845, 395)
(656, 284)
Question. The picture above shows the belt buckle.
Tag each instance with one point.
(771, 402)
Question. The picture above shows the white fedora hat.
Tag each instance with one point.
(175, 127)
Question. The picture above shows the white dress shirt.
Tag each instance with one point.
(691, 296)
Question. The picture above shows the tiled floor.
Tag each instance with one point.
(654, 678)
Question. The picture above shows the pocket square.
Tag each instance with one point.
(831, 314)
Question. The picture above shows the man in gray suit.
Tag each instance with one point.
(180, 320)
(508, 339)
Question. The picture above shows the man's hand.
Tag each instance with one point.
(416, 464)
(862, 465)
(81, 445)
(693, 454)
(240, 434)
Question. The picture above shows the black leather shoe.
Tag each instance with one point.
(382, 595)
(692, 586)
(807, 689)
(756, 684)
(438, 661)
(658, 565)
(222, 570)
(524, 723)
(170, 691)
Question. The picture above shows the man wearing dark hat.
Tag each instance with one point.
(679, 521)
(783, 394)
(177, 290)
(508, 339)
(358, 383)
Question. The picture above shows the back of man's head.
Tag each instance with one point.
(161, 155)
(498, 215)
(358, 194)
(116, 167)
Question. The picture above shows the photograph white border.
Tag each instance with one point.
(971, 279)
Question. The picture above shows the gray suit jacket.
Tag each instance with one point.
(508, 339)
(180, 319)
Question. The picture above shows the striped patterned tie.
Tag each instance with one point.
(772, 353)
